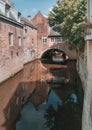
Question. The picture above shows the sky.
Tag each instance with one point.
(31, 7)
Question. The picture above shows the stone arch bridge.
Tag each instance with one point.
(60, 46)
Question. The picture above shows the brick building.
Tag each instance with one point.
(11, 39)
(23, 39)
(18, 40)
(42, 31)
(48, 38)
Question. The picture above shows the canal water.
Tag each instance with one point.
(43, 97)
(54, 103)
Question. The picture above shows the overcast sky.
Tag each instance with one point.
(31, 7)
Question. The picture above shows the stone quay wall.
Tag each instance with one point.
(84, 67)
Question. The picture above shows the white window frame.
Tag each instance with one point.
(52, 39)
(44, 39)
(56, 39)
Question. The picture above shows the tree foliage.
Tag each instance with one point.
(70, 16)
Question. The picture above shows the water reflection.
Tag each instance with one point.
(41, 104)
(47, 112)
(33, 116)
(50, 106)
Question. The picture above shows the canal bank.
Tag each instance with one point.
(84, 68)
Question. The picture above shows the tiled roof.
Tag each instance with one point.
(10, 20)
(27, 22)
(54, 33)
(11, 17)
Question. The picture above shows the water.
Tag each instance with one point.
(42, 97)
(52, 105)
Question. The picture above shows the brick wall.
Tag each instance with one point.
(11, 57)
(42, 30)
(30, 43)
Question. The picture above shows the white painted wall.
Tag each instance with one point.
(90, 10)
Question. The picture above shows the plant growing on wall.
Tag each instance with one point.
(69, 15)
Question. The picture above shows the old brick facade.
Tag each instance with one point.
(11, 38)
(18, 40)
(42, 31)
(48, 38)
(24, 39)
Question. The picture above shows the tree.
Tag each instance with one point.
(70, 15)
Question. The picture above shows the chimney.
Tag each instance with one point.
(7, 1)
(29, 18)
(12, 5)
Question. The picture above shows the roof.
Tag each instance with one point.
(53, 33)
(39, 14)
(10, 20)
(6, 1)
(39, 18)
(28, 23)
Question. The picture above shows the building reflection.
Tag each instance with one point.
(16, 91)
(29, 92)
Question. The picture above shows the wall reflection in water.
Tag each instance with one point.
(42, 104)
(33, 115)
(45, 111)
(51, 106)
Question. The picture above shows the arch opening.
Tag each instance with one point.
(54, 55)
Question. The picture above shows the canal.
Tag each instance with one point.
(43, 97)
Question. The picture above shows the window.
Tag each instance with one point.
(52, 39)
(19, 14)
(44, 39)
(19, 41)
(25, 30)
(2, 7)
(11, 42)
(7, 9)
(32, 41)
(11, 54)
(56, 39)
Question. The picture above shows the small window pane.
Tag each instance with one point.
(11, 39)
